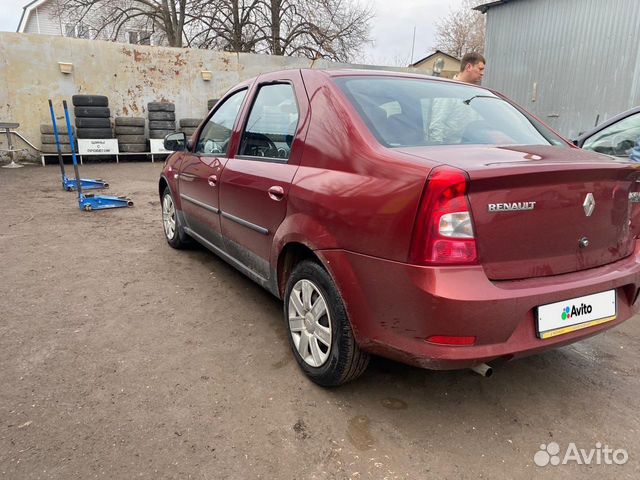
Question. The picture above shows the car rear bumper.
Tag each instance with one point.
(394, 307)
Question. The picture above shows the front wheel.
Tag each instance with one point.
(319, 331)
(173, 231)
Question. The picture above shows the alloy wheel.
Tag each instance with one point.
(169, 217)
(309, 323)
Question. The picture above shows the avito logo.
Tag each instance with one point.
(573, 311)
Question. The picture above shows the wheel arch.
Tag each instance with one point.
(292, 254)
(291, 245)
(162, 184)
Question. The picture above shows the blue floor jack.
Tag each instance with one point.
(89, 201)
(69, 184)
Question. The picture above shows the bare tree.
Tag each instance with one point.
(230, 25)
(461, 31)
(332, 29)
(108, 19)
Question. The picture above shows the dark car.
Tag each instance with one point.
(420, 219)
(617, 136)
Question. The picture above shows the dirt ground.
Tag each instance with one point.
(122, 358)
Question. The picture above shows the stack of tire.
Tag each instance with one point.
(188, 126)
(48, 139)
(130, 134)
(162, 119)
(93, 117)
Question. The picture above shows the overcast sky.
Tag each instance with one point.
(391, 29)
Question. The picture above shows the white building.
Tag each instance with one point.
(44, 17)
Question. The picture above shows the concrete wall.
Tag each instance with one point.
(130, 75)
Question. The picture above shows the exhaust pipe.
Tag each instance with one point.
(483, 369)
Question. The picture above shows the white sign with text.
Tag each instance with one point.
(98, 146)
(157, 145)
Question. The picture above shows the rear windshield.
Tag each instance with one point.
(404, 112)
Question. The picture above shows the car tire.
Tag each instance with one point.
(47, 129)
(92, 112)
(155, 134)
(162, 116)
(94, 133)
(128, 130)
(173, 231)
(52, 148)
(130, 122)
(131, 139)
(161, 107)
(51, 139)
(330, 355)
(190, 122)
(85, 122)
(161, 125)
(90, 101)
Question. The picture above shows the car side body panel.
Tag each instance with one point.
(254, 191)
(349, 183)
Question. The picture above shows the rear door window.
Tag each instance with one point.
(272, 123)
(215, 136)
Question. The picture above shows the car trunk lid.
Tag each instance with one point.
(541, 210)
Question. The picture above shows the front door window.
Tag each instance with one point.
(215, 136)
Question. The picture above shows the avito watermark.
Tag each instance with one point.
(549, 454)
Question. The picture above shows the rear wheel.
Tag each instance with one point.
(173, 230)
(319, 331)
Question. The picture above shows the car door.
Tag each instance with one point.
(201, 169)
(255, 182)
(616, 139)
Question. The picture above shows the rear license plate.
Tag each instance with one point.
(576, 313)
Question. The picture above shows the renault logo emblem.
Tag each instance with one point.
(589, 204)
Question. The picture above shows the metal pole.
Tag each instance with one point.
(7, 128)
(413, 44)
(73, 150)
(55, 132)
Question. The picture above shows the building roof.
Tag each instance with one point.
(26, 11)
(486, 6)
(432, 55)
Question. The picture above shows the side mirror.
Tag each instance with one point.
(175, 142)
(575, 142)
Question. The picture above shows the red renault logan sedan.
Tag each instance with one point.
(424, 220)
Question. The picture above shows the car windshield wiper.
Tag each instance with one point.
(468, 100)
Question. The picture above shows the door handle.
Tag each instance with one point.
(213, 180)
(276, 193)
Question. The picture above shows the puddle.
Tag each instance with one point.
(359, 434)
(394, 403)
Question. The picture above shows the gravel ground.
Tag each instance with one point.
(123, 358)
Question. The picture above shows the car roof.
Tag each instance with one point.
(353, 72)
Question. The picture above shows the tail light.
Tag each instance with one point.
(443, 232)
